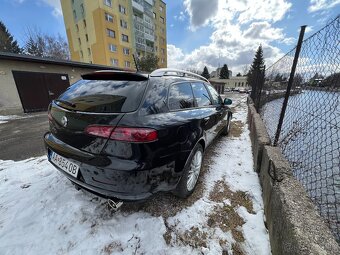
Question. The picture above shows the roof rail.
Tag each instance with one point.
(175, 72)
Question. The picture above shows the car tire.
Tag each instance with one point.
(191, 172)
(226, 129)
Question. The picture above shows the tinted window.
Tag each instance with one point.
(201, 94)
(104, 95)
(215, 96)
(180, 96)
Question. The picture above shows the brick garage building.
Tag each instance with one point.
(29, 84)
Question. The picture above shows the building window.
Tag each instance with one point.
(108, 3)
(81, 54)
(112, 47)
(161, 8)
(127, 64)
(163, 51)
(87, 37)
(122, 9)
(163, 31)
(110, 33)
(123, 23)
(162, 61)
(125, 38)
(74, 14)
(162, 40)
(89, 51)
(162, 20)
(84, 22)
(126, 51)
(114, 61)
(79, 41)
(108, 17)
(82, 8)
(77, 27)
(154, 15)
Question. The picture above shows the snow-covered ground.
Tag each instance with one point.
(6, 118)
(42, 213)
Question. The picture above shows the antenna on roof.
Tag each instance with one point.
(135, 59)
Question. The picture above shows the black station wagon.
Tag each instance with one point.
(126, 135)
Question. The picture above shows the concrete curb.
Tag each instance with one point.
(294, 225)
(258, 135)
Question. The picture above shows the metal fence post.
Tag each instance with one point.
(290, 83)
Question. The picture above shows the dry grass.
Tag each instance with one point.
(194, 237)
(111, 247)
(236, 128)
(222, 192)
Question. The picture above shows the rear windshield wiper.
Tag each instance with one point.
(65, 102)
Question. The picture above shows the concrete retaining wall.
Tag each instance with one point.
(294, 225)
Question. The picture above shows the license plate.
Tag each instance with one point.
(64, 164)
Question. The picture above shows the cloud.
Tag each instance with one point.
(200, 11)
(317, 5)
(56, 6)
(263, 30)
(238, 28)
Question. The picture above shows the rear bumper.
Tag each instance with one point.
(112, 177)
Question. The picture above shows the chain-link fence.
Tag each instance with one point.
(310, 132)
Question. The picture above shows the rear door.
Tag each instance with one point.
(93, 102)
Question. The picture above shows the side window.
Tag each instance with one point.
(201, 94)
(215, 96)
(180, 96)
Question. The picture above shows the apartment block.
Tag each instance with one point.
(108, 32)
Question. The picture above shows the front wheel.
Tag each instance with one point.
(191, 173)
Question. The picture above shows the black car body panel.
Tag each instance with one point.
(133, 170)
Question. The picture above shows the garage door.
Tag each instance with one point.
(37, 90)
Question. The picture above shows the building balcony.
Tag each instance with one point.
(140, 46)
(137, 6)
(149, 13)
(138, 20)
(150, 38)
(149, 49)
(149, 2)
(139, 34)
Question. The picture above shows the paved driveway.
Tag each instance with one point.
(22, 138)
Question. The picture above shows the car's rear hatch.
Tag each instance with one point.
(99, 99)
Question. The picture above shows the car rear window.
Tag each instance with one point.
(104, 96)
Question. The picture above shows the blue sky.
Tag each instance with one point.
(201, 32)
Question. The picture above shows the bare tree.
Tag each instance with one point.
(245, 70)
(46, 46)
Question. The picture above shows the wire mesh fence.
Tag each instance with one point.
(310, 135)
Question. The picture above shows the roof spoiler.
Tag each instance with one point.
(115, 75)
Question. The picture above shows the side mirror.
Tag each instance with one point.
(227, 101)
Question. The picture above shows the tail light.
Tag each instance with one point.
(126, 134)
(101, 131)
